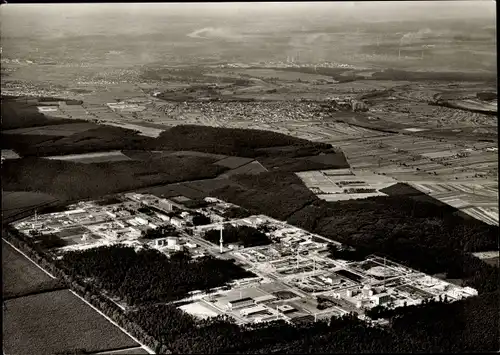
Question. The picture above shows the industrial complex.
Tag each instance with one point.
(296, 277)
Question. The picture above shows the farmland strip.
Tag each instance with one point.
(150, 351)
(45, 271)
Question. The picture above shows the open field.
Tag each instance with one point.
(55, 322)
(17, 202)
(345, 184)
(90, 158)
(20, 276)
(9, 154)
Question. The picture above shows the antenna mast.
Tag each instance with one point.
(221, 240)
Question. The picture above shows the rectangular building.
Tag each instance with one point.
(240, 303)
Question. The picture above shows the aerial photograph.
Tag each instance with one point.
(249, 178)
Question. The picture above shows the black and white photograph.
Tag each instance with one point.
(249, 177)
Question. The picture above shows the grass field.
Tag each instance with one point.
(57, 321)
(20, 275)
(234, 162)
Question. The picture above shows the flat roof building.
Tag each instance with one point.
(265, 298)
(252, 310)
(239, 303)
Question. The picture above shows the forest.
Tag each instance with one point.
(148, 276)
(101, 138)
(18, 113)
(235, 142)
(74, 181)
(276, 194)
(241, 235)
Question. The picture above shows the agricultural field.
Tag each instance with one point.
(345, 184)
(67, 129)
(55, 322)
(90, 158)
(21, 276)
(143, 130)
(266, 74)
(15, 203)
(252, 168)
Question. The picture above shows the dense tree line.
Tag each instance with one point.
(232, 141)
(101, 138)
(276, 194)
(196, 203)
(200, 219)
(75, 181)
(160, 232)
(236, 213)
(18, 113)
(241, 235)
(149, 276)
(441, 328)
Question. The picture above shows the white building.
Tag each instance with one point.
(179, 223)
(141, 221)
(163, 217)
(252, 310)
